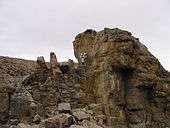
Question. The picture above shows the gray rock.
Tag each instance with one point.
(88, 124)
(37, 119)
(54, 65)
(41, 62)
(76, 126)
(64, 107)
(80, 114)
(59, 121)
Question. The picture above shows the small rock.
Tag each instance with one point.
(80, 114)
(22, 125)
(100, 119)
(33, 105)
(96, 108)
(61, 120)
(64, 107)
(88, 124)
(37, 119)
(12, 126)
(14, 121)
(160, 94)
(76, 126)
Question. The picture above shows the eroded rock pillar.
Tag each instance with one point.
(54, 65)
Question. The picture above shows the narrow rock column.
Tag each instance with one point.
(49, 90)
(103, 94)
(41, 62)
(119, 86)
(111, 93)
(54, 65)
(135, 104)
(49, 97)
(42, 70)
(117, 97)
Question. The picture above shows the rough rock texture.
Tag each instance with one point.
(116, 83)
(12, 73)
(125, 78)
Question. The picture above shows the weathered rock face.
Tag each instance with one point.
(116, 83)
(12, 73)
(125, 78)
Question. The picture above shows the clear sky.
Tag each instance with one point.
(31, 28)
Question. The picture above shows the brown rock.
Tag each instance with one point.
(62, 120)
(41, 62)
(54, 64)
(117, 80)
(76, 126)
(37, 119)
(123, 76)
(4, 107)
(88, 124)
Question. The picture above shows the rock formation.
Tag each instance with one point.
(116, 83)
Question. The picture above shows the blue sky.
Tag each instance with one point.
(31, 28)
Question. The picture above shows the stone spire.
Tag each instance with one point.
(41, 62)
(54, 65)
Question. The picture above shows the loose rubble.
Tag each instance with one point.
(117, 83)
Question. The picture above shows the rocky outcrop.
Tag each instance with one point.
(125, 78)
(116, 83)
(12, 73)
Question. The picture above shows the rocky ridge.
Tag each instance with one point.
(116, 83)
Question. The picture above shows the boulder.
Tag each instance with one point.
(61, 120)
(22, 105)
(41, 62)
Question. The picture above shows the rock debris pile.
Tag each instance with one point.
(117, 83)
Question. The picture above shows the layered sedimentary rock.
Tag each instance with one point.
(116, 83)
